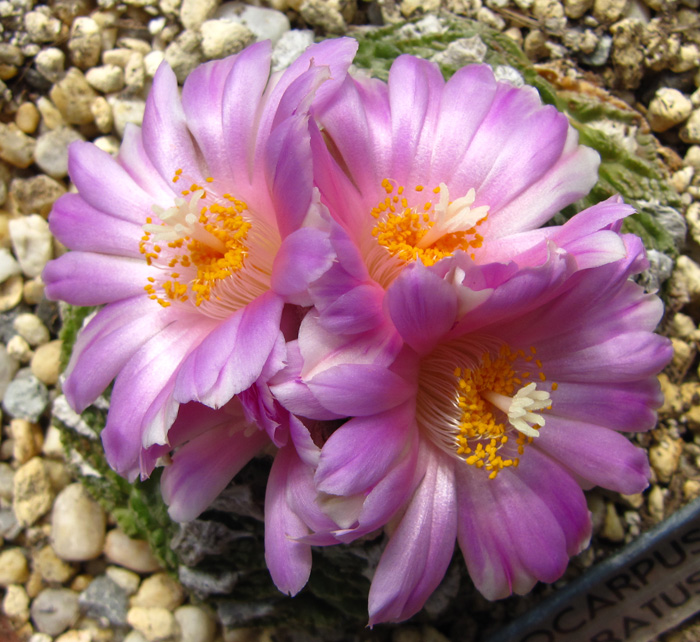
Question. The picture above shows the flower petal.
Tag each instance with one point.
(106, 185)
(105, 345)
(302, 258)
(359, 389)
(144, 385)
(288, 560)
(420, 549)
(170, 145)
(422, 306)
(361, 452)
(81, 227)
(521, 526)
(85, 278)
(233, 355)
(204, 466)
(599, 455)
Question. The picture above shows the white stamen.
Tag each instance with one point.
(453, 217)
(521, 409)
(181, 221)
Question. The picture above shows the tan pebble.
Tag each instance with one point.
(608, 10)
(52, 443)
(11, 292)
(16, 604)
(32, 328)
(135, 636)
(692, 419)
(134, 554)
(155, 623)
(73, 97)
(13, 567)
(635, 501)
(33, 291)
(36, 195)
(51, 567)
(59, 474)
(28, 439)
(27, 117)
(691, 489)
(664, 458)
(75, 636)
(35, 584)
(102, 112)
(16, 148)
(77, 525)
(613, 528)
(656, 503)
(81, 582)
(33, 493)
(673, 404)
(50, 114)
(127, 580)
(46, 362)
(683, 355)
(690, 133)
(159, 590)
(85, 44)
(668, 108)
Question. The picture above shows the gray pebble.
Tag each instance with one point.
(105, 599)
(26, 398)
(55, 610)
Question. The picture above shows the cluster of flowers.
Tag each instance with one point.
(352, 275)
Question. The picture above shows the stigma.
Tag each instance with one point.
(485, 409)
(411, 227)
(207, 250)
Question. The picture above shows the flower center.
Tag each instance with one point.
(483, 410)
(410, 227)
(209, 251)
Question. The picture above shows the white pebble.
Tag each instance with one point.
(78, 525)
(32, 243)
(195, 624)
(106, 78)
(126, 580)
(31, 328)
(8, 265)
(19, 349)
(266, 24)
(51, 151)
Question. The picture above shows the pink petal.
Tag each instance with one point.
(288, 560)
(421, 547)
(85, 278)
(204, 466)
(232, 356)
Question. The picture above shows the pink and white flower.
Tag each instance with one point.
(179, 237)
(502, 394)
(419, 168)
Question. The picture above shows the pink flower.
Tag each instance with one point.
(419, 168)
(501, 394)
(179, 238)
